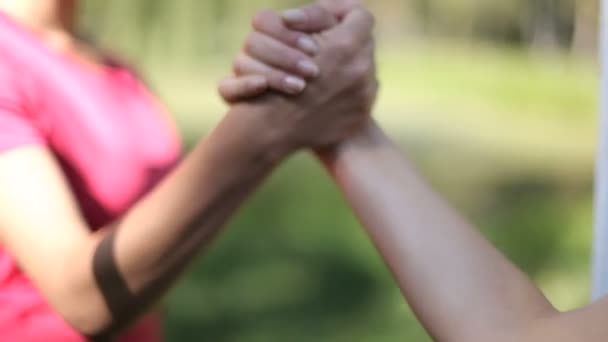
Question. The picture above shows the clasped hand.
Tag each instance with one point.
(315, 66)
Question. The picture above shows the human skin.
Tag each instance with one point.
(101, 282)
(460, 287)
(274, 53)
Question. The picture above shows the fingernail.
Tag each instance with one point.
(294, 84)
(308, 45)
(295, 16)
(309, 68)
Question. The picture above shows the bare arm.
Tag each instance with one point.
(100, 282)
(104, 280)
(460, 287)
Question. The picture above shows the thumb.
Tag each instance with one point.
(357, 26)
(309, 19)
(339, 8)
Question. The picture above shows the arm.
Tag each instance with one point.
(102, 281)
(119, 271)
(460, 287)
(475, 294)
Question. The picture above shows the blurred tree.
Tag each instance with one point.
(397, 17)
(586, 25)
(183, 29)
(422, 10)
(502, 21)
(543, 26)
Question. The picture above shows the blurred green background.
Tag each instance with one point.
(495, 100)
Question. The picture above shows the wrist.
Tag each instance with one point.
(263, 124)
(368, 137)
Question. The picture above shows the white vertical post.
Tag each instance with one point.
(600, 239)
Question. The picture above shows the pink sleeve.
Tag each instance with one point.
(17, 126)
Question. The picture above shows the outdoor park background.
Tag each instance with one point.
(495, 100)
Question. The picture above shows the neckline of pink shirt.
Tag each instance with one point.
(109, 65)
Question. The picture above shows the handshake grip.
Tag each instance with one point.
(337, 104)
(346, 90)
(319, 61)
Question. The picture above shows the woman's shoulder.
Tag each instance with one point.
(88, 45)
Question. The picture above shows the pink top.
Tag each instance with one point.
(112, 139)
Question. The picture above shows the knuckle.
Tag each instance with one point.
(292, 37)
(238, 64)
(236, 68)
(369, 18)
(366, 17)
(372, 43)
(375, 87)
(371, 93)
(261, 18)
(360, 71)
(250, 42)
(363, 95)
(221, 86)
(370, 90)
(249, 85)
(347, 45)
(289, 58)
(318, 14)
(223, 89)
(293, 60)
(277, 79)
(350, 42)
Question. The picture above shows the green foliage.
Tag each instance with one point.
(170, 29)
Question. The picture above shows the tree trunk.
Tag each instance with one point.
(586, 26)
(544, 34)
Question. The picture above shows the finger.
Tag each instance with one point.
(357, 25)
(339, 8)
(270, 23)
(234, 89)
(311, 19)
(277, 79)
(280, 56)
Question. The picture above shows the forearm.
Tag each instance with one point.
(134, 264)
(459, 285)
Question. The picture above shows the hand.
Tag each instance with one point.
(278, 54)
(338, 102)
(269, 57)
